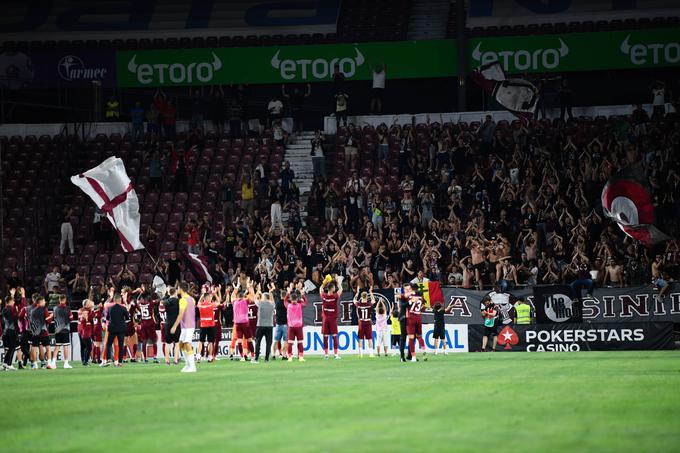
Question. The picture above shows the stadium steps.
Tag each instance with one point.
(428, 19)
(298, 153)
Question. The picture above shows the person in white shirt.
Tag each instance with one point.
(378, 73)
(52, 280)
(277, 225)
(275, 110)
(659, 100)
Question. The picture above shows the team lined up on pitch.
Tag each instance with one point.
(124, 326)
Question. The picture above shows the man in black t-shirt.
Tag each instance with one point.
(171, 313)
(281, 329)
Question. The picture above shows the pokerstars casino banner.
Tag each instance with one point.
(578, 337)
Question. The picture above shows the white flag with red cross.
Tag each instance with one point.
(111, 190)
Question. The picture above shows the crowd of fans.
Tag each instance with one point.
(503, 203)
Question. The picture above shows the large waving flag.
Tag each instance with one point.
(109, 187)
(432, 292)
(627, 199)
(517, 95)
(198, 265)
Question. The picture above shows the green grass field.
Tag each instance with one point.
(596, 401)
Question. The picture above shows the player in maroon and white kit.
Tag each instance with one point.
(147, 327)
(414, 321)
(252, 323)
(364, 308)
(330, 296)
(97, 334)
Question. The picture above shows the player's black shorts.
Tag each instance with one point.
(395, 340)
(62, 338)
(378, 93)
(439, 333)
(172, 337)
(207, 334)
(493, 331)
(40, 340)
(25, 339)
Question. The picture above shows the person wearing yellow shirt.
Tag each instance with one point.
(396, 328)
(247, 194)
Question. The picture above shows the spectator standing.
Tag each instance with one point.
(287, 175)
(137, 118)
(377, 93)
(152, 115)
(274, 111)
(318, 158)
(566, 101)
(66, 233)
(227, 201)
(296, 98)
(155, 172)
(247, 194)
(51, 282)
(486, 133)
(341, 109)
(112, 109)
(658, 100)
(197, 110)
(217, 108)
(236, 104)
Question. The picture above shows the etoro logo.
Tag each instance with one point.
(653, 53)
(319, 68)
(174, 72)
(522, 60)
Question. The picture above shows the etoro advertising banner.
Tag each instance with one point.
(284, 64)
(406, 59)
(579, 51)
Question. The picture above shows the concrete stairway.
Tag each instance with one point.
(298, 154)
(428, 19)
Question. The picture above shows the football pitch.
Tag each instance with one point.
(590, 401)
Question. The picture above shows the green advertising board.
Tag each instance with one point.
(284, 64)
(406, 59)
(579, 51)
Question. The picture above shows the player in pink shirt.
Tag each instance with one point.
(240, 300)
(295, 301)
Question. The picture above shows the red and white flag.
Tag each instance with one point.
(198, 265)
(111, 190)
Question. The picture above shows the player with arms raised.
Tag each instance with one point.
(330, 293)
(364, 308)
(147, 331)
